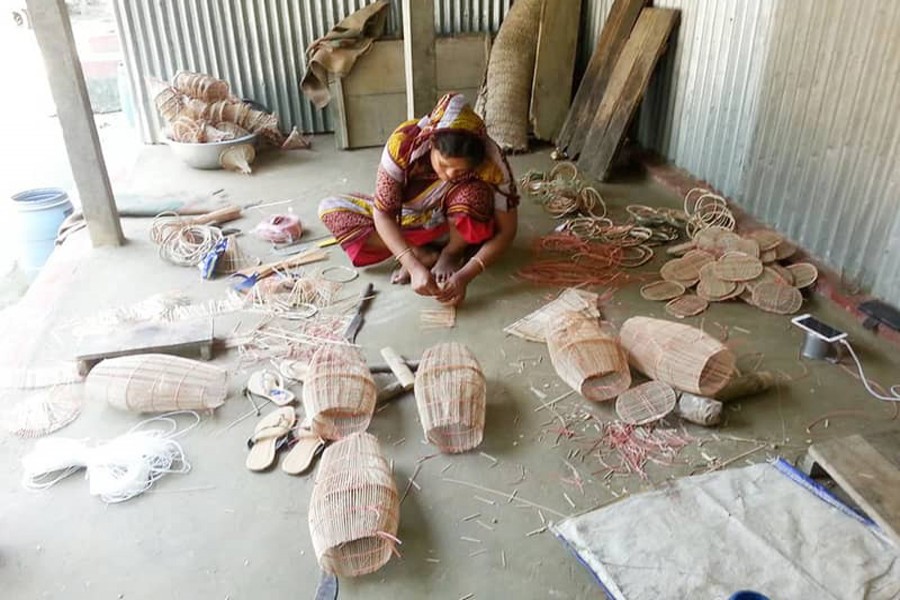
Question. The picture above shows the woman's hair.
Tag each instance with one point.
(456, 144)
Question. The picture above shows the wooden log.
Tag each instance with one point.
(399, 367)
(747, 385)
(626, 88)
(619, 23)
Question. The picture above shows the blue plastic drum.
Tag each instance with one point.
(39, 214)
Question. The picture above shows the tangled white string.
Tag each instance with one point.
(117, 470)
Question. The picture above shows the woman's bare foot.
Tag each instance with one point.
(424, 255)
(447, 264)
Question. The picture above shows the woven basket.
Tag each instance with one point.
(200, 86)
(677, 354)
(450, 394)
(157, 383)
(354, 511)
(507, 91)
(338, 392)
(590, 361)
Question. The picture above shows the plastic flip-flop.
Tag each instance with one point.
(307, 446)
(270, 385)
(269, 430)
(294, 369)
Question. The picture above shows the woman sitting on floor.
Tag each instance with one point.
(444, 206)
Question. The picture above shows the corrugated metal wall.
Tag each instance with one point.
(790, 108)
(256, 45)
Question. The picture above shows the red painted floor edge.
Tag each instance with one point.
(829, 285)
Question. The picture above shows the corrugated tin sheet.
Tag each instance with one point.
(256, 45)
(789, 108)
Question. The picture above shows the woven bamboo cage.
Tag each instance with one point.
(338, 392)
(677, 354)
(507, 92)
(588, 359)
(157, 383)
(450, 393)
(200, 86)
(354, 511)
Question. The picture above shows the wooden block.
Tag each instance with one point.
(399, 367)
(619, 23)
(869, 474)
(420, 65)
(181, 338)
(626, 88)
(554, 66)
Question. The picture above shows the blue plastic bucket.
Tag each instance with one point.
(747, 595)
(39, 214)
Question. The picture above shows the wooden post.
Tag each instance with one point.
(53, 31)
(419, 57)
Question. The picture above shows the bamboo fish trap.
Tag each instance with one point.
(157, 383)
(338, 392)
(585, 357)
(354, 511)
(450, 394)
(677, 354)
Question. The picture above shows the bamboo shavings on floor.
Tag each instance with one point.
(437, 318)
(296, 340)
(532, 326)
(563, 259)
(625, 449)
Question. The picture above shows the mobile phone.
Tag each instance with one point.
(821, 330)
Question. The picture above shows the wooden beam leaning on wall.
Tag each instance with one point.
(554, 66)
(50, 19)
(419, 57)
(625, 89)
(622, 17)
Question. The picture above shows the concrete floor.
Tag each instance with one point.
(224, 532)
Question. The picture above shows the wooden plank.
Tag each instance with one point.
(371, 101)
(50, 19)
(869, 477)
(419, 57)
(554, 66)
(170, 338)
(626, 88)
(622, 17)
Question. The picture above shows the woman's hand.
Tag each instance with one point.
(453, 292)
(422, 281)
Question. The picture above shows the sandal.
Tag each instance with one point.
(270, 386)
(306, 447)
(269, 430)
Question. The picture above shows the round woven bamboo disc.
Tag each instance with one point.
(43, 411)
(715, 289)
(646, 403)
(707, 239)
(698, 258)
(767, 239)
(783, 273)
(769, 275)
(662, 290)
(737, 266)
(805, 274)
(747, 246)
(739, 288)
(784, 250)
(686, 306)
(768, 256)
(777, 298)
(680, 270)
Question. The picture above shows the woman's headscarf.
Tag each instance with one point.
(413, 139)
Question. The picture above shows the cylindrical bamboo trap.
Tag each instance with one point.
(585, 357)
(157, 383)
(354, 511)
(338, 392)
(680, 355)
(450, 393)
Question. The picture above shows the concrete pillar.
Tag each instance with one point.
(50, 20)
(419, 57)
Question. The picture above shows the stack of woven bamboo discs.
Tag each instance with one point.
(724, 265)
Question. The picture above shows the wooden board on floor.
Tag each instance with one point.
(554, 66)
(626, 88)
(619, 23)
(181, 338)
(868, 469)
